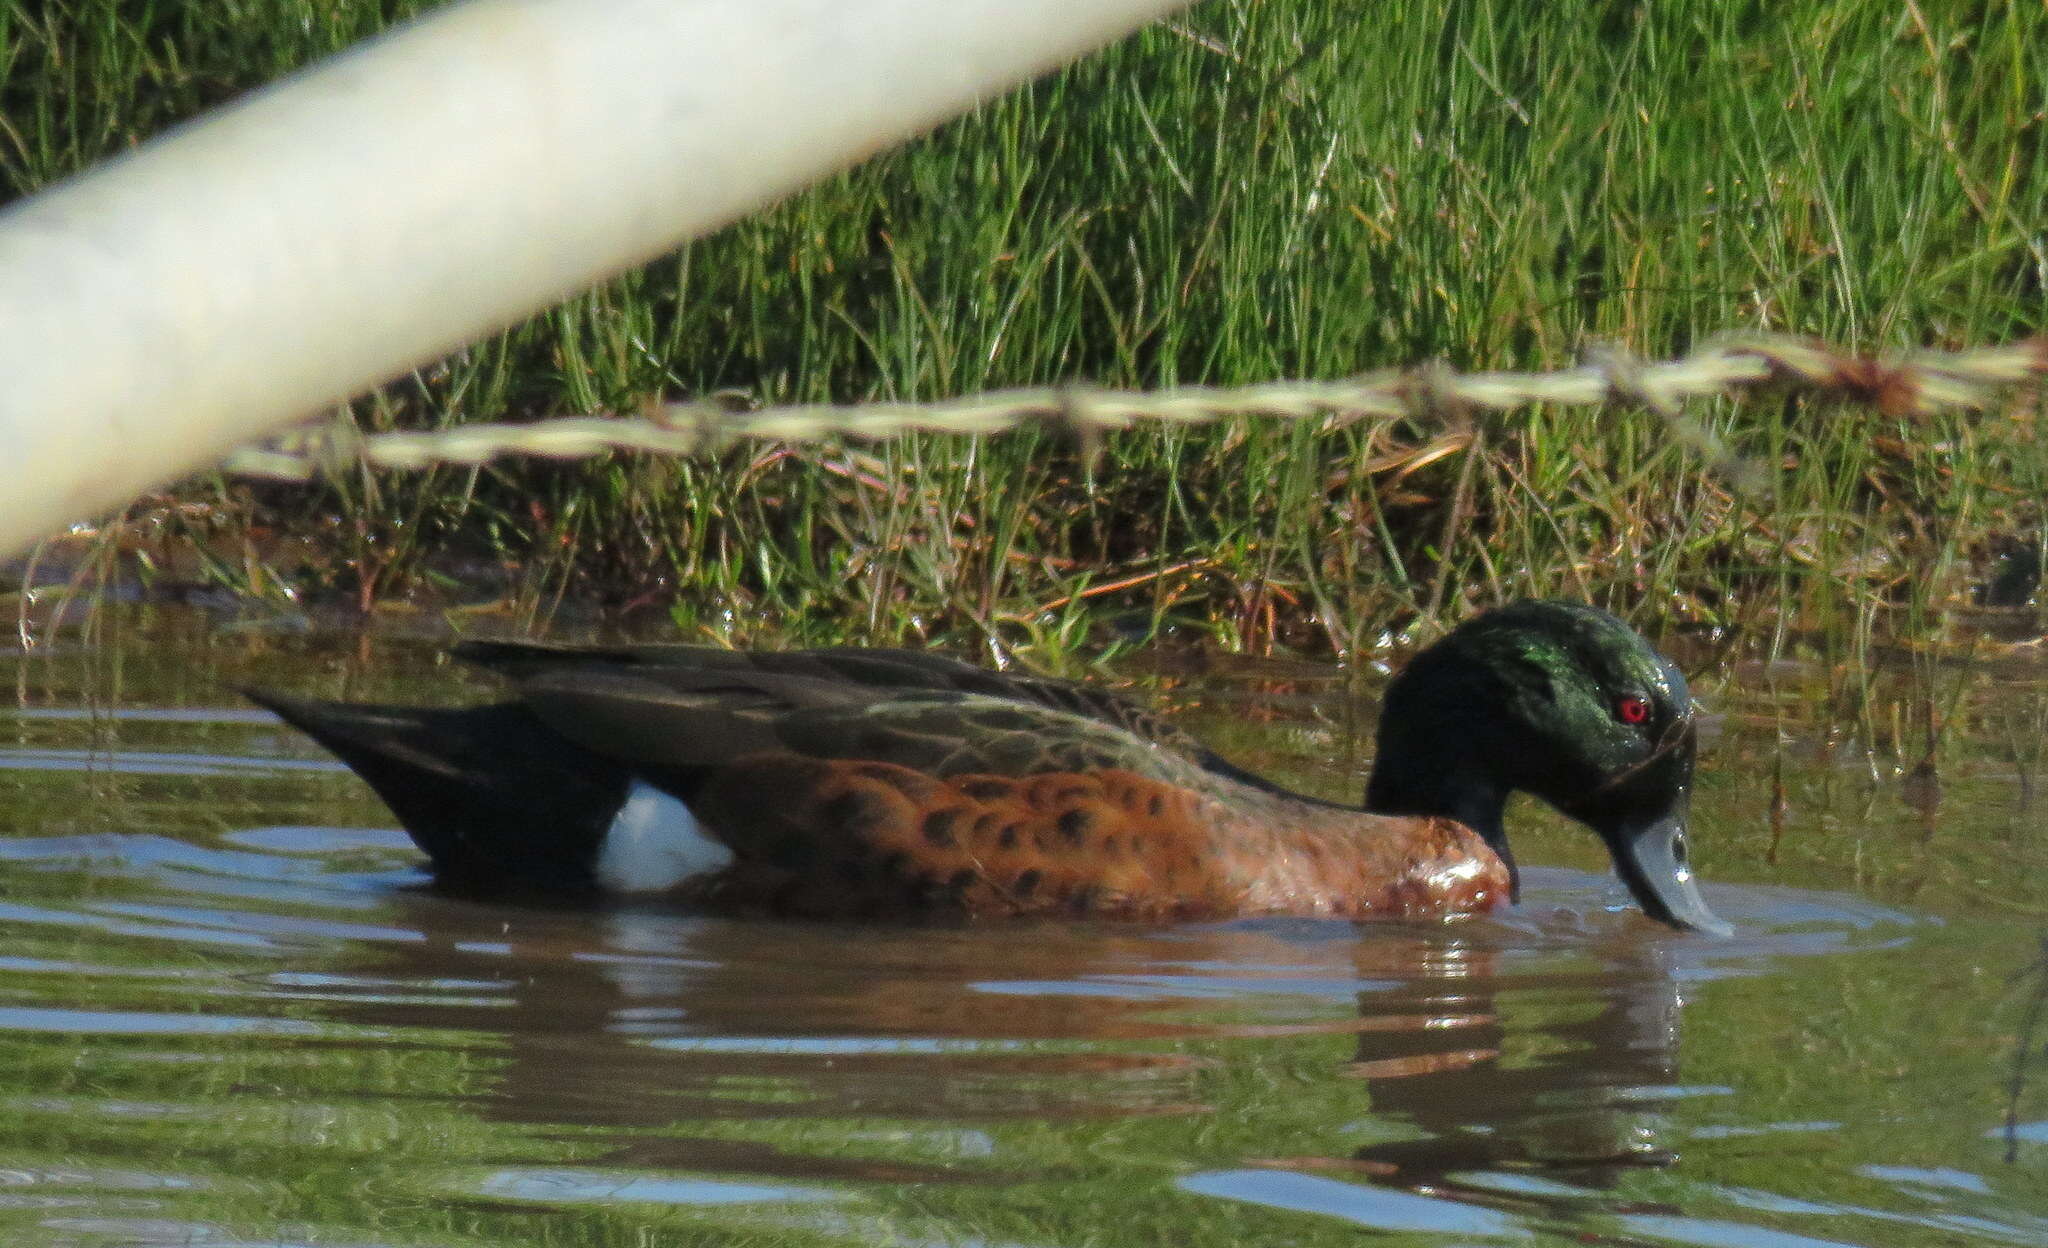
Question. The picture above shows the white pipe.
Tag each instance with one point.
(404, 198)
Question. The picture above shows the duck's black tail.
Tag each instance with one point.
(491, 795)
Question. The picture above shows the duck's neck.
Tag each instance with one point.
(1407, 781)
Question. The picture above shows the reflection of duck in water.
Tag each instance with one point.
(1525, 1075)
(629, 1020)
(874, 782)
(642, 1017)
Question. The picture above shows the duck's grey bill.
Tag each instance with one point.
(1651, 859)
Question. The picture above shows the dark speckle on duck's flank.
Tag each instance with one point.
(856, 812)
(938, 827)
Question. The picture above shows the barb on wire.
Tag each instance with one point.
(1917, 384)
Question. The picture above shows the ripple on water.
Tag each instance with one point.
(1709, 1234)
(129, 1023)
(563, 1186)
(1380, 1208)
(313, 840)
(139, 763)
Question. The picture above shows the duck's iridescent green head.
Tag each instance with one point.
(1564, 701)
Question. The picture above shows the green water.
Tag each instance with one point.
(229, 1015)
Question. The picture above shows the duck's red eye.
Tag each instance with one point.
(1632, 710)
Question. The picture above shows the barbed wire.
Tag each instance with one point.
(1919, 383)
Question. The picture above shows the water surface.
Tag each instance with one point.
(232, 1015)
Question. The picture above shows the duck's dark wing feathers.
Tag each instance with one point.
(896, 670)
(874, 668)
(678, 724)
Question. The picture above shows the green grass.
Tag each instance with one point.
(1258, 190)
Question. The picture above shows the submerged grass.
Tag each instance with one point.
(1255, 190)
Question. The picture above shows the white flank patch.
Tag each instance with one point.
(655, 843)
